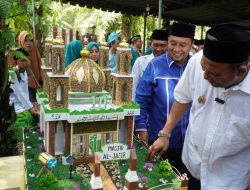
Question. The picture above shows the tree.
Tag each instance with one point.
(83, 18)
(7, 112)
(21, 18)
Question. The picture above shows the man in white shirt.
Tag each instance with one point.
(217, 144)
(159, 40)
(19, 96)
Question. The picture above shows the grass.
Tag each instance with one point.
(153, 176)
(61, 172)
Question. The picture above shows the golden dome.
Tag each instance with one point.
(85, 76)
(84, 52)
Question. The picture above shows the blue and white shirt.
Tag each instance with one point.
(155, 94)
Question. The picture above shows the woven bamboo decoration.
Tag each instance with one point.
(85, 76)
(124, 60)
(103, 57)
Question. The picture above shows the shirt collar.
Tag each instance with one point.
(151, 55)
(243, 85)
(170, 61)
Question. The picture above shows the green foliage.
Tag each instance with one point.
(31, 154)
(165, 169)
(5, 6)
(153, 176)
(18, 54)
(6, 39)
(8, 144)
(48, 182)
(31, 168)
(29, 141)
(82, 18)
(126, 19)
(18, 17)
(8, 141)
(61, 172)
(113, 25)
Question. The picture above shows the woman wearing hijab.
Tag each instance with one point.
(72, 52)
(35, 77)
(93, 48)
(113, 42)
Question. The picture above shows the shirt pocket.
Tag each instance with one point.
(238, 133)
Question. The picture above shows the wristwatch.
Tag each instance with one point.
(164, 134)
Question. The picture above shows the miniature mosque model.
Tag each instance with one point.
(84, 107)
(87, 111)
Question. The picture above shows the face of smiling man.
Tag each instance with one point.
(179, 47)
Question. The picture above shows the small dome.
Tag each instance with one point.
(85, 76)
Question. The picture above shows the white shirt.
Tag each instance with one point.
(139, 67)
(20, 94)
(217, 143)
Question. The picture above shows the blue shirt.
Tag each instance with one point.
(113, 62)
(155, 94)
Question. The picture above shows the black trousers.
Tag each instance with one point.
(174, 158)
(32, 94)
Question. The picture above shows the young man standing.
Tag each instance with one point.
(136, 45)
(155, 92)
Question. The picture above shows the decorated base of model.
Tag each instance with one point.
(117, 167)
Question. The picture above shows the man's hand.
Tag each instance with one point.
(34, 110)
(143, 136)
(160, 146)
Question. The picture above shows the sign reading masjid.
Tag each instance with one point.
(114, 151)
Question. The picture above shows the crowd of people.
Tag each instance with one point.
(194, 97)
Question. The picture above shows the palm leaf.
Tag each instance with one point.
(18, 54)
(4, 8)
